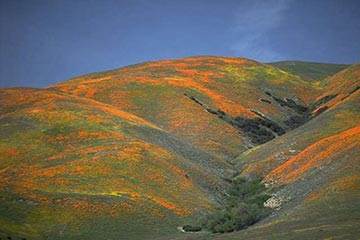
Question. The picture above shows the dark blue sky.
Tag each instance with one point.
(43, 42)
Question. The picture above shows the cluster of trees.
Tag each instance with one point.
(243, 206)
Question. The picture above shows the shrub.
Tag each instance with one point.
(243, 207)
(189, 228)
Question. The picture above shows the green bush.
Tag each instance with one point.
(243, 207)
(189, 228)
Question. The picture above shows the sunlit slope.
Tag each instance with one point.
(155, 91)
(340, 113)
(340, 86)
(310, 70)
(74, 167)
(314, 171)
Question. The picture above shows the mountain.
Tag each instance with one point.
(135, 152)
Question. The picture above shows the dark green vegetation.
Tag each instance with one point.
(242, 207)
(137, 152)
(310, 70)
(190, 228)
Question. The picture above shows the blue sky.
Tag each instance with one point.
(43, 42)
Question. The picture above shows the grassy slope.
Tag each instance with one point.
(155, 91)
(310, 70)
(65, 157)
(315, 169)
(75, 168)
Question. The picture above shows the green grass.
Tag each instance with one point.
(310, 70)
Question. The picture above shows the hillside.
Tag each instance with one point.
(70, 164)
(164, 92)
(314, 171)
(135, 152)
(316, 168)
(310, 70)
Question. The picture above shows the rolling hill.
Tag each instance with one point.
(313, 171)
(135, 152)
(67, 161)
